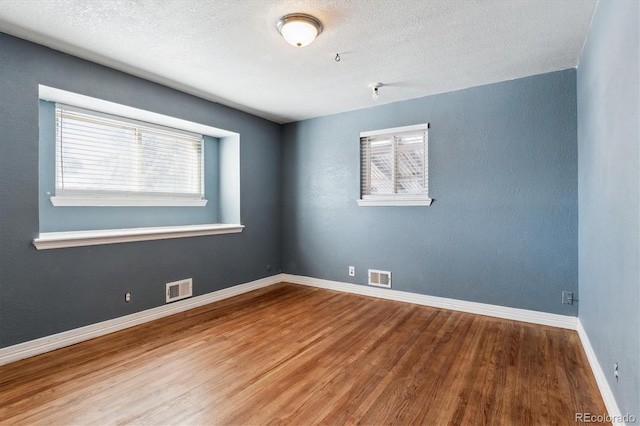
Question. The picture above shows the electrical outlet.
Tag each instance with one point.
(352, 271)
(567, 297)
(127, 297)
(616, 374)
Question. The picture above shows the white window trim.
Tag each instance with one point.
(54, 240)
(413, 128)
(395, 199)
(52, 94)
(137, 200)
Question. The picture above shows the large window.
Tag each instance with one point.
(105, 160)
(112, 173)
(394, 166)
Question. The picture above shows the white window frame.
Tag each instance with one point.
(422, 199)
(229, 170)
(103, 198)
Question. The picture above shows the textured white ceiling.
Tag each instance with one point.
(229, 51)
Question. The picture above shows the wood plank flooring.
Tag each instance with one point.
(290, 354)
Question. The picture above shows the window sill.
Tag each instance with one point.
(373, 202)
(67, 201)
(54, 240)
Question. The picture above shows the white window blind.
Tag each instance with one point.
(119, 161)
(394, 166)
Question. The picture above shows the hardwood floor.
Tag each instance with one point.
(290, 354)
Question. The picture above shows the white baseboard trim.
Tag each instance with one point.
(605, 390)
(71, 337)
(67, 338)
(535, 317)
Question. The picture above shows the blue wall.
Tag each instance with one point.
(45, 292)
(502, 171)
(609, 191)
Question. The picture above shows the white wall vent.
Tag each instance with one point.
(380, 278)
(179, 290)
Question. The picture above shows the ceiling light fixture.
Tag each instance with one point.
(299, 29)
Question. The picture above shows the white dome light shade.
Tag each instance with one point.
(299, 33)
(299, 29)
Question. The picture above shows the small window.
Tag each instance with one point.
(105, 160)
(394, 167)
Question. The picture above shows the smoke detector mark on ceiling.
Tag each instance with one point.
(374, 90)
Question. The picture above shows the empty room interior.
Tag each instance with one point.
(320, 212)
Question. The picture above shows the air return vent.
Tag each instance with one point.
(380, 278)
(179, 290)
